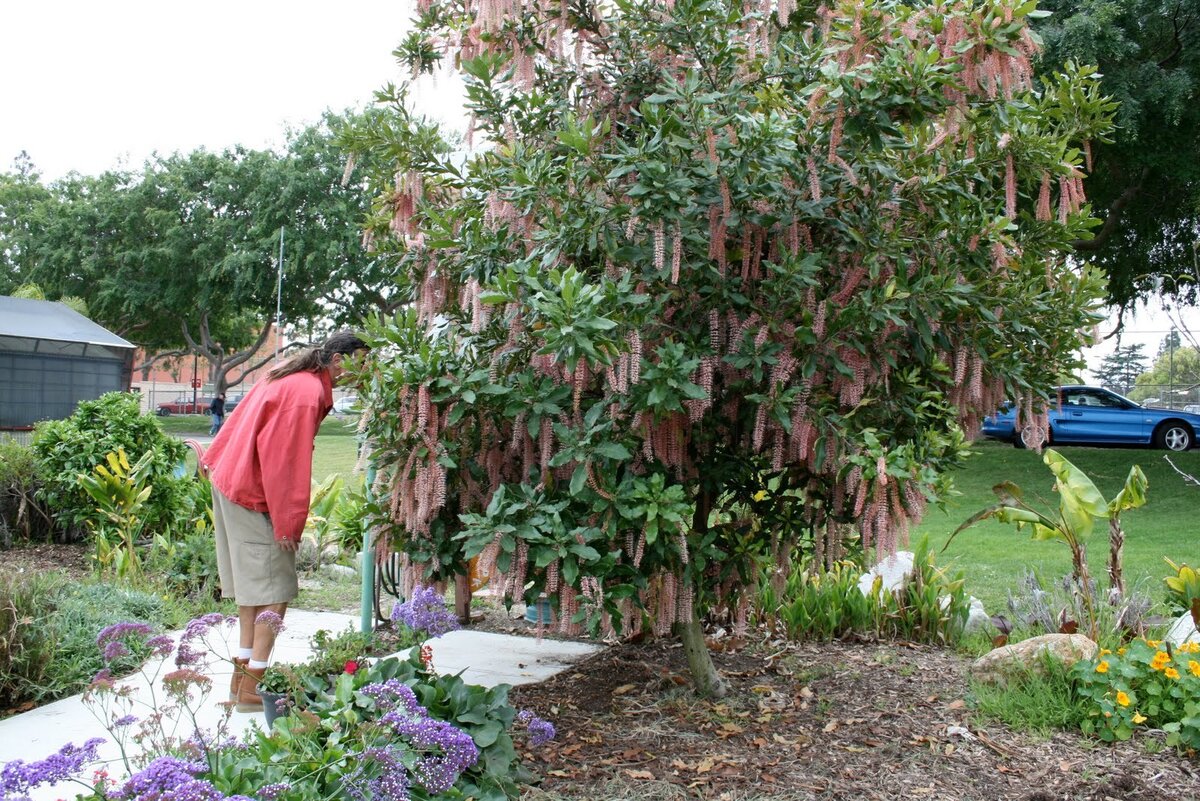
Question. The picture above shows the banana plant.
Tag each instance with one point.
(321, 515)
(1080, 505)
(120, 490)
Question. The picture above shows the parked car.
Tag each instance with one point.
(346, 405)
(184, 405)
(1082, 415)
(231, 402)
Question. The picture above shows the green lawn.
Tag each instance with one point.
(994, 556)
(335, 450)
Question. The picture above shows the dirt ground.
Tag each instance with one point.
(843, 720)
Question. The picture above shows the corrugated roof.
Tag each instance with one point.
(43, 319)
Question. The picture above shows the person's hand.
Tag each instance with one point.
(288, 545)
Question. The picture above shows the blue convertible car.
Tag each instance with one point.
(1094, 416)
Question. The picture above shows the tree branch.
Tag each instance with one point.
(1113, 217)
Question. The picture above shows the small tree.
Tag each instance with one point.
(716, 248)
(1121, 368)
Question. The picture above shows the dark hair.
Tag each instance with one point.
(316, 359)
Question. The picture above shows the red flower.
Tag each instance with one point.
(351, 667)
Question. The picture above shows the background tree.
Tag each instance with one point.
(1121, 368)
(181, 256)
(1145, 182)
(1177, 371)
(717, 258)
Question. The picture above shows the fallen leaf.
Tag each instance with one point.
(705, 765)
(639, 774)
(830, 726)
(957, 704)
(624, 688)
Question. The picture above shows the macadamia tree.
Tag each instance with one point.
(714, 255)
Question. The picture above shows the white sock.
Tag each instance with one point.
(257, 665)
(244, 653)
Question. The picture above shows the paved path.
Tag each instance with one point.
(487, 659)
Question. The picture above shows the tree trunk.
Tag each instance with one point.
(705, 679)
(1116, 544)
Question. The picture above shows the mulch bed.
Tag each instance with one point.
(821, 721)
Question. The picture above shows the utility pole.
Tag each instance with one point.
(1171, 365)
(279, 296)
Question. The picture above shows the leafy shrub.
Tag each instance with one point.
(22, 516)
(186, 563)
(80, 612)
(331, 652)
(816, 605)
(48, 631)
(26, 649)
(1147, 684)
(68, 448)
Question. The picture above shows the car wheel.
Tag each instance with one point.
(164, 412)
(1174, 436)
(1024, 438)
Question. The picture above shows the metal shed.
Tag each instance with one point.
(52, 357)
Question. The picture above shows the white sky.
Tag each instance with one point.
(87, 86)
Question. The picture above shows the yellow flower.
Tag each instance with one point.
(1102, 667)
(760, 495)
(1190, 648)
(1171, 673)
(1152, 643)
(1160, 660)
(1105, 652)
(1122, 698)
(1121, 651)
(1138, 717)
(1194, 667)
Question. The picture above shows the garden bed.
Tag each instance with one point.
(835, 720)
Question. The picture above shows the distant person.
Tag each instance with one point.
(261, 471)
(217, 410)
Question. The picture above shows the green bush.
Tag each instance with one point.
(22, 517)
(80, 612)
(26, 648)
(68, 448)
(186, 563)
(812, 605)
(48, 631)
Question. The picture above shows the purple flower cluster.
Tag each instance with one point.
(272, 620)
(18, 777)
(269, 792)
(394, 694)
(448, 750)
(197, 629)
(541, 731)
(119, 631)
(170, 778)
(451, 750)
(425, 612)
(392, 783)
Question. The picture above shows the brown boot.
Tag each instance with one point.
(248, 699)
(235, 681)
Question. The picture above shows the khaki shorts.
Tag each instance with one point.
(254, 570)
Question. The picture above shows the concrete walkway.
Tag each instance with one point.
(487, 659)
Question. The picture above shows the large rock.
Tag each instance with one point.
(1011, 661)
(1183, 630)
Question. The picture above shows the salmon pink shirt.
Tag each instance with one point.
(262, 456)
